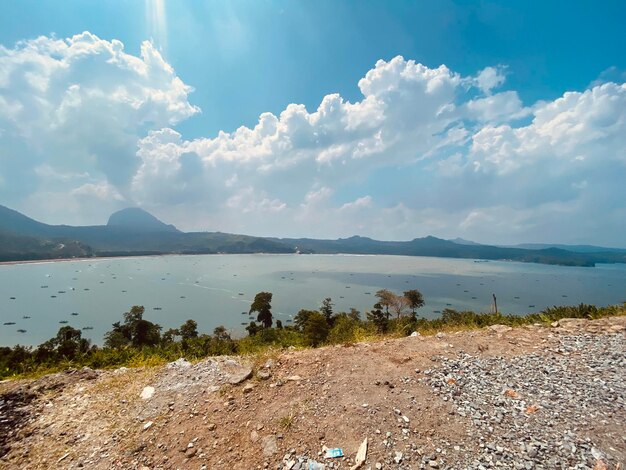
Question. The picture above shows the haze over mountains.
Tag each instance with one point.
(133, 231)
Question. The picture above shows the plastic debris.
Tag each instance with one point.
(333, 453)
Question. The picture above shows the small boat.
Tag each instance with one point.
(474, 298)
(9, 323)
(436, 311)
(516, 297)
(240, 293)
(74, 313)
(61, 292)
(21, 331)
(183, 297)
(12, 298)
(289, 320)
(368, 293)
(64, 322)
(244, 313)
(88, 328)
(123, 291)
(531, 306)
(25, 317)
(44, 287)
(347, 287)
(341, 296)
(243, 323)
(157, 308)
(53, 296)
(86, 288)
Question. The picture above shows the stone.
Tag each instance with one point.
(270, 447)
(398, 457)
(147, 393)
(190, 452)
(248, 388)
(241, 376)
(294, 378)
(148, 425)
(361, 455)
(263, 374)
(499, 328)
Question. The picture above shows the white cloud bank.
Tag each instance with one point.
(425, 151)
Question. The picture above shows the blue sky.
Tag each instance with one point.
(511, 129)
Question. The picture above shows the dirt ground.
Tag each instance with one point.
(295, 403)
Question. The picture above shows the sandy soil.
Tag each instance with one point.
(296, 403)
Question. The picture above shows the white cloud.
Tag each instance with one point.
(78, 106)
(425, 150)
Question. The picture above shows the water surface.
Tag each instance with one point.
(215, 289)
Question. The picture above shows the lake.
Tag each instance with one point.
(215, 289)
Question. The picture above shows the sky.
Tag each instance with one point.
(499, 122)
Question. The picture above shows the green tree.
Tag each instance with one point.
(188, 330)
(262, 305)
(302, 317)
(252, 328)
(316, 329)
(385, 300)
(134, 331)
(327, 310)
(415, 299)
(378, 318)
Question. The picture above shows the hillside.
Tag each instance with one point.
(134, 231)
(530, 397)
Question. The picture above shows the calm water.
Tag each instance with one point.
(215, 289)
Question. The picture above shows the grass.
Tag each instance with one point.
(267, 344)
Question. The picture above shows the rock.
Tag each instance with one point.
(433, 464)
(254, 436)
(147, 392)
(263, 374)
(190, 452)
(270, 447)
(415, 333)
(294, 378)
(361, 455)
(148, 425)
(211, 427)
(499, 328)
(440, 335)
(398, 457)
(181, 363)
(554, 324)
(241, 376)
(248, 388)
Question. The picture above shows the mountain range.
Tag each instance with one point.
(133, 231)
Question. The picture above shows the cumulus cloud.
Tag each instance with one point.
(423, 151)
(79, 105)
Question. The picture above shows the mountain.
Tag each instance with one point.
(134, 231)
(574, 248)
(137, 219)
(462, 241)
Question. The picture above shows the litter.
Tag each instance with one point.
(333, 453)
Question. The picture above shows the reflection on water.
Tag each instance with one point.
(216, 289)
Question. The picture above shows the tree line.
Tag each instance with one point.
(137, 341)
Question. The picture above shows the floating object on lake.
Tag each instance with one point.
(53, 296)
(9, 323)
(86, 288)
(44, 287)
(157, 308)
(64, 321)
(123, 291)
(289, 320)
(21, 331)
(240, 293)
(244, 313)
(448, 305)
(473, 297)
(25, 317)
(516, 297)
(74, 313)
(564, 295)
(341, 297)
(465, 290)
(101, 282)
(436, 311)
(182, 296)
(61, 292)
(243, 323)
(88, 328)
(12, 298)
(531, 306)
(368, 293)
(347, 287)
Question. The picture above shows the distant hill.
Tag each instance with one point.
(134, 231)
(574, 248)
(138, 219)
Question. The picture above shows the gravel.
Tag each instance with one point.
(560, 409)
